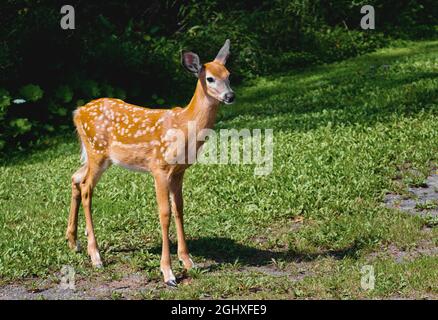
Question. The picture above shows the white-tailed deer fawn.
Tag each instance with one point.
(112, 131)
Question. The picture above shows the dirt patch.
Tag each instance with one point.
(130, 286)
(420, 201)
(21, 292)
(399, 255)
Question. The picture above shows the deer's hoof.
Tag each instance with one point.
(169, 277)
(97, 264)
(96, 261)
(74, 245)
(187, 263)
(77, 247)
(171, 283)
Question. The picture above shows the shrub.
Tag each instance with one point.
(119, 93)
(332, 44)
(5, 101)
(56, 109)
(20, 126)
(64, 94)
(31, 92)
(107, 90)
(89, 88)
(80, 103)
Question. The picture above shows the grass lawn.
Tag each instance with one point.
(345, 134)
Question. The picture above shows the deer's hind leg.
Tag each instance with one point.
(72, 227)
(95, 169)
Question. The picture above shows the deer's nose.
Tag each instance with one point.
(229, 97)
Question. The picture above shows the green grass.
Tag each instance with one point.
(342, 133)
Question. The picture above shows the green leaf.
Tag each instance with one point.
(64, 93)
(5, 101)
(31, 92)
(20, 126)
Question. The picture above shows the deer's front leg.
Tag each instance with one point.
(176, 196)
(162, 192)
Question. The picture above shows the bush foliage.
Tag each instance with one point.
(130, 50)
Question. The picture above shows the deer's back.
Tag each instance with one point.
(129, 135)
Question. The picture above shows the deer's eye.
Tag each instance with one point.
(210, 79)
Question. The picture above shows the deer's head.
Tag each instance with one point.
(213, 76)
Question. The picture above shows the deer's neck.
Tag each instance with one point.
(202, 109)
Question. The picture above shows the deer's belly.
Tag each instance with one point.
(130, 157)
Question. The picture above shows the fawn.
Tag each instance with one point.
(115, 132)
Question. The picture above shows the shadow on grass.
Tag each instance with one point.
(362, 90)
(48, 147)
(225, 250)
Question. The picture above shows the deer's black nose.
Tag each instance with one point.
(229, 97)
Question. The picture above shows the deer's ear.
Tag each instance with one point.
(191, 62)
(224, 53)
